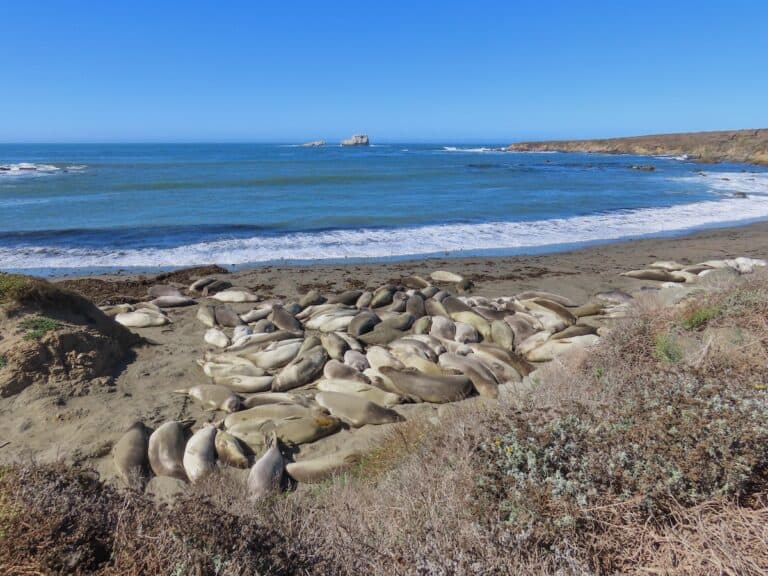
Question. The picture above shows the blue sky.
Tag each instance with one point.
(477, 71)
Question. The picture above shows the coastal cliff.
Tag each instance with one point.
(749, 146)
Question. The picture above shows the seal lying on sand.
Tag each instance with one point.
(267, 472)
(166, 449)
(428, 388)
(200, 453)
(356, 410)
(131, 456)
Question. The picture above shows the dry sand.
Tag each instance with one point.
(42, 423)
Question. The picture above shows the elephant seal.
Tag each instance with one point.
(651, 274)
(348, 297)
(573, 331)
(246, 384)
(355, 410)
(400, 322)
(335, 345)
(311, 298)
(302, 370)
(422, 326)
(174, 301)
(356, 359)
(492, 352)
(335, 370)
(415, 306)
(416, 282)
(434, 308)
(236, 295)
(365, 300)
(200, 453)
(256, 315)
(303, 429)
(378, 357)
(323, 467)
(668, 265)
(445, 276)
(482, 378)
(213, 397)
(533, 294)
(561, 311)
(382, 296)
(366, 391)
(206, 316)
(275, 355)
(229, 450)
(143, 318)
(216, 337)
(131, 455)
(225, 316)
(166, 449)
(502, 334)
(438, 389)
(381, 336)
(285, 321)
(264, 398)
(588, 309)
(362, 323)
(466, 333)
(475, 320)
(443, 327)
(262, 413)
(267, 472)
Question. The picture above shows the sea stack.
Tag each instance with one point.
(356, 140)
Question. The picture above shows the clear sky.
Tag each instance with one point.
(420, 70)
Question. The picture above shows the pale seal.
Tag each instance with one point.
(267, 472)
(166, 450)
(200, 453)
(213, 397)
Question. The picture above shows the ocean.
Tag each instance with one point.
(77, 208)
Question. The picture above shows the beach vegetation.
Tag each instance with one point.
(699, 317)
(35, 327)
(3, 362)
(667, 348)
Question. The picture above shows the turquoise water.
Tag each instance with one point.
(155, 206)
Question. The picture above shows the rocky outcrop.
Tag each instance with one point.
(314, 144)
(748, 146)
(356, 140)
(52, 336)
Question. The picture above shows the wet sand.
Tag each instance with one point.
(45, 424)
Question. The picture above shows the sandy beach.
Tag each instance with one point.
(80, 426)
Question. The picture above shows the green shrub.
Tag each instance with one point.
(699, 318)
(684, 446)
(37, 326)
(667, 349)
(3, 362)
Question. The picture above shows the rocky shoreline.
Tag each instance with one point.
(743, 146)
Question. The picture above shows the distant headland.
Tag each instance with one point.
(748, 146)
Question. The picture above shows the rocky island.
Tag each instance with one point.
(356, 140)
(749, 146)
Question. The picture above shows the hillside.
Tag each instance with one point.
(749, 146)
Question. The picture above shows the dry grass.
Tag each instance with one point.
(623, 462)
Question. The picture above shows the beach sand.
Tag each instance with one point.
(49, 424)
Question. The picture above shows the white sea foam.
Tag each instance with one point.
(377, 243)
(725, 182)
(480, 149)
(31, 169)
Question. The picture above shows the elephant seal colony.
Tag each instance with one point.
(277, 376)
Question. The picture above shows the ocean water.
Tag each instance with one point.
(77, 208)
